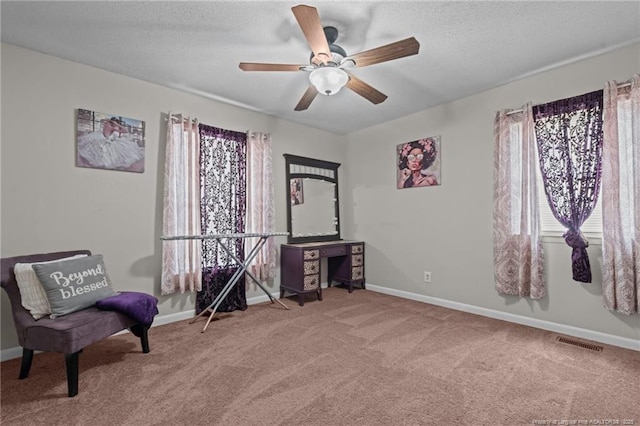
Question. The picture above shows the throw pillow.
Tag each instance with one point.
(74, 284)
(34, 299)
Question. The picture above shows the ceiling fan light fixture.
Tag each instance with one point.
(328, 80)
(328, 62)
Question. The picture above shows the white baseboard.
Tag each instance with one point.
(179, 316)
(596, 336)
(11, 353)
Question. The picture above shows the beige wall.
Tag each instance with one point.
(49, 204)
(447, 229)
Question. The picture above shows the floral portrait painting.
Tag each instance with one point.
(418, 163)
(109, 141)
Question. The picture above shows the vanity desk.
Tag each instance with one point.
(300, 266)
(313, 211)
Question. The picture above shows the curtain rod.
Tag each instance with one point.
(620, 86)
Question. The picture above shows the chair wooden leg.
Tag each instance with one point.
(72, 361)
(141, 331)
(144, 339)
(27, 358)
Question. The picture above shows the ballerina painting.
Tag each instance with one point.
(109, 141)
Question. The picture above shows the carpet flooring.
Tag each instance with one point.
(363, 358)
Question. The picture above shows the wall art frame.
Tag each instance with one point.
(418, 163)
(109, 141)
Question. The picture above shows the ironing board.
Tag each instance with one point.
(219, 238)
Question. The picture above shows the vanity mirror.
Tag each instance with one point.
(313, 206)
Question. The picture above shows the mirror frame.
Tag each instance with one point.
(291, 159)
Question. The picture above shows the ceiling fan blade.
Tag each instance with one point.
(388, 52)
(309, 22)
(306, 99)
(252, 66)
(364, 90)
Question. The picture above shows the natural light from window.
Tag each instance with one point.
(549, 225)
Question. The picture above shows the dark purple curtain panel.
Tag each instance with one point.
(223, 202)
(213, 281)
(569, 138)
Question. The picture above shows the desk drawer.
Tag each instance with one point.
(311, 267)
(333, 251)
(357, 260)
(311, 282)
(357, 249)
(357, 273)
(311, 254)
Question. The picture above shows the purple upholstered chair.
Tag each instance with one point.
(67, 334)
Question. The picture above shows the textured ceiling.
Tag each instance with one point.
(465, 47)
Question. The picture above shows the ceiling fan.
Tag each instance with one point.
(329, 62)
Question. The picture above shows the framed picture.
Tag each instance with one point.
(418, 163)
(109, 141)
(297, 191)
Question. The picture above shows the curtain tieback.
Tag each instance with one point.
(580, 265)
(575, 239)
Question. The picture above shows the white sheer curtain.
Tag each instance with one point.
(621, 197)
(181, 259)
(260, 204)
(517, 250)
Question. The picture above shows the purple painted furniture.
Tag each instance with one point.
(300, 266)
(67, 334)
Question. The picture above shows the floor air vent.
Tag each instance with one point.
(580, 344)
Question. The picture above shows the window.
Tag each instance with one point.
(569, 156)
(549, 225)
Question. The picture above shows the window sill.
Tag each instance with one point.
(556, 238)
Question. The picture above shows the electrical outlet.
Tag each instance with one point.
(427, 276)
